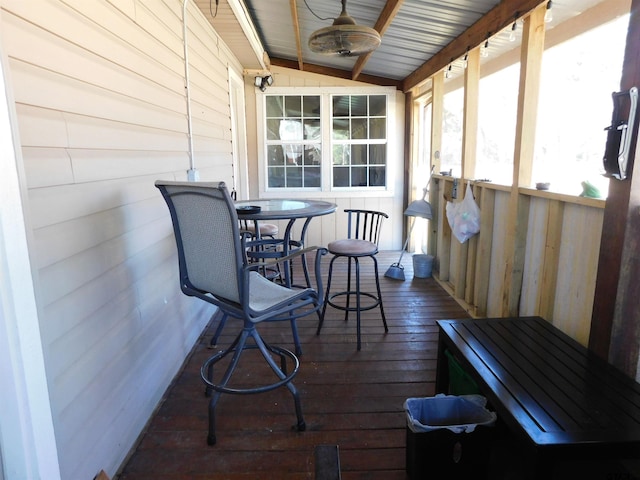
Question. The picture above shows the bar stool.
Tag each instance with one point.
(363, 234)
(265, 230)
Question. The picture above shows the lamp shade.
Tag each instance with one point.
(419, 208)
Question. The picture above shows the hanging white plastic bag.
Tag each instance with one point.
(464, 216)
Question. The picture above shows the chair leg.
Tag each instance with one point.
(208, 389)
(294, 331)
(326, 296)
(301, 426)
(238, 345)
(223, 320)
(305, 270)
(384, 319)
(265, 349)
(346, 312)
(320, 320)
(357, 300)
(216, 335)
(377, 301)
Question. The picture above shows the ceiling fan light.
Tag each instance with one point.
(344, 37)
(344, 40)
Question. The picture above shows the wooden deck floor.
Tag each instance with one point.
(350, 399)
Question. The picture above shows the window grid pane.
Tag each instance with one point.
(293, 135)
(358, 141)
(359, 137)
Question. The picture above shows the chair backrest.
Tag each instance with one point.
(209, 244)
(365, 224)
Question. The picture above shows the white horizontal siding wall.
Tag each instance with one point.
(100, 96)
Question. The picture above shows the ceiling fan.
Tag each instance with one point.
(344, 38)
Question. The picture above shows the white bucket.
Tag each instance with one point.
(422, 265)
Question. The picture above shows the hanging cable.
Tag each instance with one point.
(213, 15)
(314, 13)
(512, 34)
(234, 190)
(192, 172)
(484, 51)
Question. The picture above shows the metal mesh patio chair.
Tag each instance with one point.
(213, 267)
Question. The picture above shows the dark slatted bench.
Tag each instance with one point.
(552, 393)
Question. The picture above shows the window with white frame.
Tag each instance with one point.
(325, 140)
(293, 141)
(359, 140)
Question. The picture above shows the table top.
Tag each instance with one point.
(282, 209)
(544, 382)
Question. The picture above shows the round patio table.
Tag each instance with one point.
(286, 209)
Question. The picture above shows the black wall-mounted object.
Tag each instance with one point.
(619, 133)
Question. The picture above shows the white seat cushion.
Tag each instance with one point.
(266, 229)
(352, 247)
(265, 293)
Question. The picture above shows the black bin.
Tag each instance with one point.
(448, 434)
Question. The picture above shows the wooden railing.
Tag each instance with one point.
(558, 240)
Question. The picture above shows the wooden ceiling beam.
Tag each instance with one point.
(387, 15)
(492, 22)
(336, 72)
(296, 31)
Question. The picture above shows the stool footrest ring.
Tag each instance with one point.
(355, 308)
(282, 352)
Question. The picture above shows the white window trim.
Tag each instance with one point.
(326, 189)
(27, 439)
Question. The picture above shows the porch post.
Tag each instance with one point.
(615, 323)
(530, 67)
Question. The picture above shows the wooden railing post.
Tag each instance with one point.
(530, 68)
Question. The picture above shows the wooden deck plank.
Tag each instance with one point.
(350, 399)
